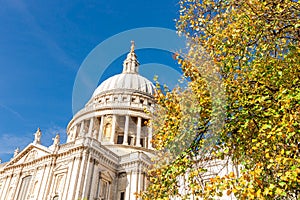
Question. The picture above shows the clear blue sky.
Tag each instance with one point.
(42, 45)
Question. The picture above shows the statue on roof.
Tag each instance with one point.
(56, 140)
(37, 136)
(16, 152)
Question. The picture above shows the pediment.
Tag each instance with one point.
(106, 175)
(30, 153)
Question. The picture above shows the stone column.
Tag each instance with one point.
(75, 174)
(81, 128)
(138, 132)
(80, 180)
(72, 135)
(6, 185)
(128, 186)
(90, 132)
(125, 141)
(101, 128)
(150, 136)
(88, 177)
(17, 184)
(94, 181)
(113, 129)
(134, 185)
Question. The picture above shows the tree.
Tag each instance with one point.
(252, 49)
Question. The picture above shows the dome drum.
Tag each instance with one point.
(112, 129)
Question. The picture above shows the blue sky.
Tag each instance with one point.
(42, 46)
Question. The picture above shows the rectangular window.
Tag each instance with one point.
(129, 140)
(122, 196)
(120, 139)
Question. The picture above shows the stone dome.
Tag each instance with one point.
(126, 81)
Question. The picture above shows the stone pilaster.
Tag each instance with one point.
(91, 126)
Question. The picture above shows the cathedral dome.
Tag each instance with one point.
(129, 79)
(115, 115)
(126, 81)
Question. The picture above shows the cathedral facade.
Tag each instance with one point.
(107, 152)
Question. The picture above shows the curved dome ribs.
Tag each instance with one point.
(115, 114)
(127, 82)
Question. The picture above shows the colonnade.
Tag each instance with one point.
(96, 129)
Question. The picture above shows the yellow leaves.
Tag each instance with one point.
(258, 171)
(278, 191)
(258, 144)
(262, 116)
(271, 186)
(267, 192)
(258, 193)
(228, 192)
(231, 175)
(254, 147)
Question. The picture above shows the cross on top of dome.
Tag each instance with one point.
(131, 64)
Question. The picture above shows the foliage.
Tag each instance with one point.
(252, 48)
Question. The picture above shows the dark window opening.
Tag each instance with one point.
(129, 140)
(122, 196)
(120, 139)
